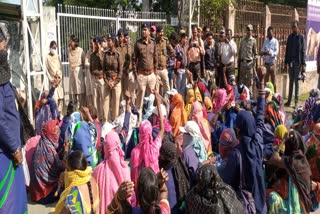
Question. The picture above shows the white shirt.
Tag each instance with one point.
(228, 51)
(272, 46)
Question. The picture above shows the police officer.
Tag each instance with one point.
(112, 69)
(126, 51)
(146, 59)
(163, 47)
(247, 57)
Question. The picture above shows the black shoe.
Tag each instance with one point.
(287, 104)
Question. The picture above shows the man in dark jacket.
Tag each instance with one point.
(296, 60)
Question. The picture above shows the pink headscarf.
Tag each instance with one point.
(112, 171)
(146, 153)
(156, 122)
(197, 116)
(219, 99)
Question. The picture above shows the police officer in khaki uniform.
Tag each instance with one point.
(247, 56)
(163, 48)
(112, 69)
(126, 51)
(146, 58)
(97, 76)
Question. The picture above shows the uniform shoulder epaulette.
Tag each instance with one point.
(165, 38)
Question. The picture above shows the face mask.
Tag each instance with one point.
(3, 57)
(53, 51)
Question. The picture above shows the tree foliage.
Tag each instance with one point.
(213, 9)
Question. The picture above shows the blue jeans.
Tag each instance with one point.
(294, 70)
(171, 76)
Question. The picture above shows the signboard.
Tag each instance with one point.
(174, 21)
(313, 34)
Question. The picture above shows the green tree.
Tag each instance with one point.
(213, 9)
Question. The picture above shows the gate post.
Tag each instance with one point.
(117, 23)
(267, 20)
(231, 17)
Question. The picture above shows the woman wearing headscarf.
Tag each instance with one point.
(112, 171)
(229, 166)
(193, 94)
(212, 195)
(197, 116)
(219, 99)
(81, 193)
(146, 153)
(178, 115)
(46, 165)
(178, 184)
(250, 134)
(279, 135)
(296, 197)
(194, 152)
(313, 156)
(279, 100)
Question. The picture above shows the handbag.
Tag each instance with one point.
(244, 196)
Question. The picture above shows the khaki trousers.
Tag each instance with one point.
(144, 82)
(112, 101)
(271, 72)
(163, 76)
(98, 96)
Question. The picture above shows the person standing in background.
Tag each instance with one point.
(153, 31)
(182, 64)
(89, 84)
(163, 47)
(209, 59)
(146, 59)
(296, 60)
(126, 51)
(270, 52)
(76, 66)
(54, 71)
(97, 77)
(247, 58)
(226, 52)
(12, 186)
(112, 69)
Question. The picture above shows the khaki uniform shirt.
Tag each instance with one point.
(146, 54)
(127, 55)
(162, 47)
(95, 63)
(248, 49)
(112, 65)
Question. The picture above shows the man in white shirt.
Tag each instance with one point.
(270, 52)
(227, 49)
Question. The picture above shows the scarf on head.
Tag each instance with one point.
(72, 179)
(50, 133)
(298, 168)
(272, 115)
(197, 116)
(178, 115)
(46, 165)
(203, 89)
(219, 99)
(156, 122)
(112, 171)
(308, 107)
(227, 142)
(169, 158)
(146, 153)
(197, 145)
(279, 134)
(271, 87)
(212, 195)
(313, 152)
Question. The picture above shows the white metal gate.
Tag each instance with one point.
(85, 22)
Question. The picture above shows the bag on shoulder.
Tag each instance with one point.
(244, 196)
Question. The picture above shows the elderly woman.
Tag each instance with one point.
(80, 187)
(46, 165)
(211, 194)
(112, 171)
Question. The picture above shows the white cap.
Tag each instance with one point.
(172, 92)
(191, 128)
(106, 128)
(163, 110)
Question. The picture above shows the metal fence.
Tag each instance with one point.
(85, 22)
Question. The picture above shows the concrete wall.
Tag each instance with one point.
(282, 82)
